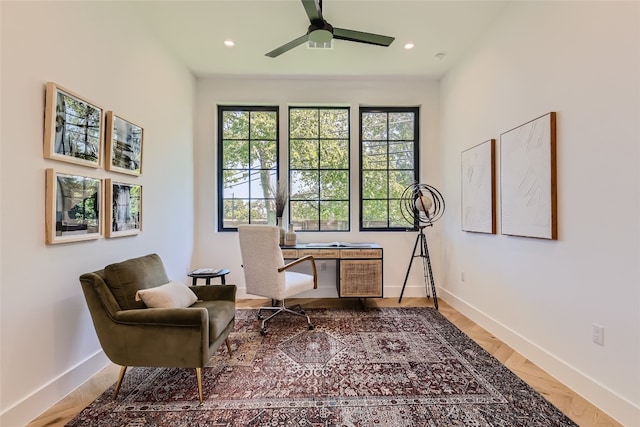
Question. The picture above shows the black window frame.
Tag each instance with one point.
(416, 156)
(220, 154)
(348, 169)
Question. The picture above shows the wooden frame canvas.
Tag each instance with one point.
(528, 192)
(123, 146)
(73, 207)
(124, 213)
(478, 188)
(73, 130)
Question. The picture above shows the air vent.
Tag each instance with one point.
(320, 45)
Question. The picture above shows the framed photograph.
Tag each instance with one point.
(73, 204)
(124, 216)
(124, 145)
(528, 191)
(73, 129)
(478, 188)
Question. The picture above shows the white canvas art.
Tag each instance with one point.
(528, 179)
(478, 188)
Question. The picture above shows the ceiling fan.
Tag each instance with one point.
(320, 31)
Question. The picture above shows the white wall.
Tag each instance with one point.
(96, 49)
(222, 249)
(582, 60)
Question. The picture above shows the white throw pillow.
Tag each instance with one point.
(171, 295)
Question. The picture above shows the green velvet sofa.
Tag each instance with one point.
(131, 334)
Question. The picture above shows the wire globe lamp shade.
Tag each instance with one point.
(421, 204)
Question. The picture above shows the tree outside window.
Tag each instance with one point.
(247, 165)
(319, 168)
(389, 163)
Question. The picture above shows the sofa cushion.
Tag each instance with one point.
(126, 278)
(171, 295)
(221, 313)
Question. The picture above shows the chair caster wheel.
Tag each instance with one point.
(311, 327)
(263, 331)
(259, 316)
(301, 311)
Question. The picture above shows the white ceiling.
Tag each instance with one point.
(195, 31)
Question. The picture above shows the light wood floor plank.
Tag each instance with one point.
(573, 405)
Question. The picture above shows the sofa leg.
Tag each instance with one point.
(199, 377)
(123, 369)
(226, 340)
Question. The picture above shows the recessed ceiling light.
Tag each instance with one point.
(440, 55)
(229, 43)
(409, 46)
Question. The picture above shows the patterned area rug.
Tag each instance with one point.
(382, 366)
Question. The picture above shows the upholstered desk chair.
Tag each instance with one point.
(265, 272)
(142, 331)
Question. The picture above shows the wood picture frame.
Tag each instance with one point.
(528, 188)
(123, 145)
(73, 207)
(124, 208)
(74, 128)
(478, 198)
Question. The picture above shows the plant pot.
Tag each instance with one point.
(282, 230)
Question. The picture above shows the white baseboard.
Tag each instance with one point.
(600, 396)
(24, 411)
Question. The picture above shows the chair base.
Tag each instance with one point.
(282, 309)
(123, 369)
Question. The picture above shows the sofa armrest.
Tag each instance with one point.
(196, 316)
(215, 292)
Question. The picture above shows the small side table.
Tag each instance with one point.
(208, 276)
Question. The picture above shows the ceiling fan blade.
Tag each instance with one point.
(288, 46)
(361, 37)
(313, 9)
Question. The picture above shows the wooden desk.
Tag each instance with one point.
(359, 268)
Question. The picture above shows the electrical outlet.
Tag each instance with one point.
(598, 334)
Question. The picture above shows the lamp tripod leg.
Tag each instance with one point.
(425, 270)
(427, 260)
(406, 277)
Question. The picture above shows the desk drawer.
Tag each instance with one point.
(290, 253)
(360, 278)
(320, 253)
(360, 253)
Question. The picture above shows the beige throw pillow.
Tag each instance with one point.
(170, 295)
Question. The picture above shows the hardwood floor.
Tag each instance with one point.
(574, 406)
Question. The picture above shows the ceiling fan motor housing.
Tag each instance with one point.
(320, 33)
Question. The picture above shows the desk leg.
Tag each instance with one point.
(194, 281)
(223, 280)
(207, 281)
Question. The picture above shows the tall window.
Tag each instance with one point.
(389, 163)
(319, 168)
(247, 165)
